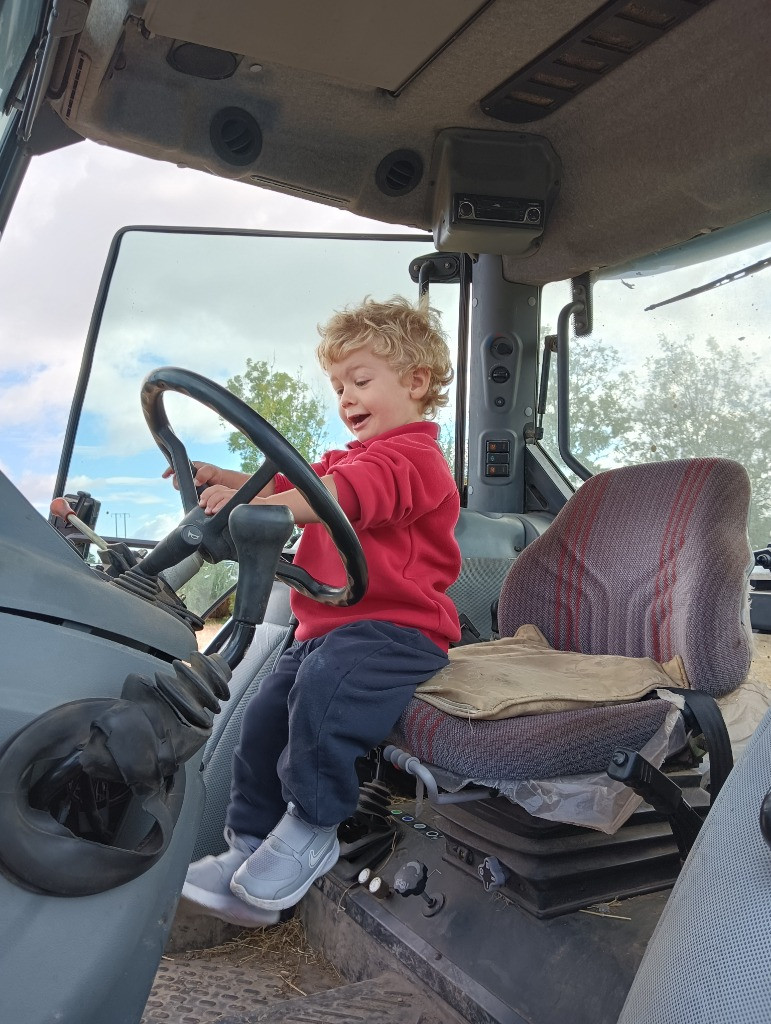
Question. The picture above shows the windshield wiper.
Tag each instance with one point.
(737, 275)
(66, 18)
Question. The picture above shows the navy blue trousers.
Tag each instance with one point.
(329, 701)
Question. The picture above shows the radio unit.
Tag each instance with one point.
(497, 209)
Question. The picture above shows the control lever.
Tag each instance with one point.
(259, 533)
(664, 795)
(411, 879)
(116, 558)
(62, 509)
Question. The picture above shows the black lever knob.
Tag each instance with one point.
(259, 533)
(411, 878)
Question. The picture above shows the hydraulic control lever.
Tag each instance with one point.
(411, 880)
(64, 516)
(116, 557)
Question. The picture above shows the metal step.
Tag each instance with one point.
(387, 999)
(202, 991)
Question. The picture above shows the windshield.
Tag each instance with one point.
(243, 310)
(684, 379)
(19, 20)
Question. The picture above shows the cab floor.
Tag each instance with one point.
(208, 991)
(211, 969)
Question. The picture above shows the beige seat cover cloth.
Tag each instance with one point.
(523, 675)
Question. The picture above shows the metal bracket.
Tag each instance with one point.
(582, 292)
(436, 268)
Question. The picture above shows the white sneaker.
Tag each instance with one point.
(207, 885)
(282, 869)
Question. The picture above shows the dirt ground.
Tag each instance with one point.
(283, 951)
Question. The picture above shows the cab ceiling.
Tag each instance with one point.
(373, 45)
(672, 144)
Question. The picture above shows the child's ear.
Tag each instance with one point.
(418, 381)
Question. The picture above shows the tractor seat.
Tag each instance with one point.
(648, 561)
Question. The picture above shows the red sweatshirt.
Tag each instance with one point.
(401, 500)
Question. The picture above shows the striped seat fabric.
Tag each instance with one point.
(644, 561)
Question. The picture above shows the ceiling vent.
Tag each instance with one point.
(399, 172)
(202, 61)
(598, 45)
(235, 136)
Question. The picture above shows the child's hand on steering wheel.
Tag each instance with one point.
(205, 474)
(213, 498)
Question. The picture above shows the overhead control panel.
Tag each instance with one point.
(493, 191)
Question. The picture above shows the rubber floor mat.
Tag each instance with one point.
(387, 999)
(202, 991)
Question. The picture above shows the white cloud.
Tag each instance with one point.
(37, 489)
(68, 210)
(52, 254)
(43, 392)
(159, 526)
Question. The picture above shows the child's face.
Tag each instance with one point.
(372, 397)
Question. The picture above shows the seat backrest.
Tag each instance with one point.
(645, 561)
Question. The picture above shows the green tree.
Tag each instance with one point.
(709, 400)
(287, 403)
(685, 401)
(600, 399)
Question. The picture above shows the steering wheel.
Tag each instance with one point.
(280, 456)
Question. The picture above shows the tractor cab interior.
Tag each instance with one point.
(587, 199)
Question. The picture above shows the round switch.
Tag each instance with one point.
(501, 347)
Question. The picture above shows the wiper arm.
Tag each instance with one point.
(737, 275)
(66, 18)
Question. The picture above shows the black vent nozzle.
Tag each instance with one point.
(235, 136)
(399, 172)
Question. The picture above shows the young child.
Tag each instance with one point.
(351, 672)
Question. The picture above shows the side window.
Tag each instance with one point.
(661, 379)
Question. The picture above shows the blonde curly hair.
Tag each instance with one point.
(407, 336)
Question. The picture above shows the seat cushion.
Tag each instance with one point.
(528, 747)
